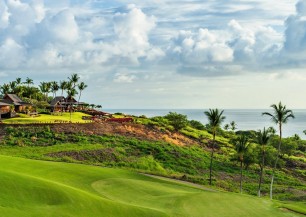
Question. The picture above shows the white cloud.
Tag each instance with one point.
(4, 15)
(295, 33)
(11, 53)
(123, 77)
(154, 42)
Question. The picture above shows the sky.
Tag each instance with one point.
(161, 53)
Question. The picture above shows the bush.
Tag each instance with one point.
(197, 125)
(178, 121)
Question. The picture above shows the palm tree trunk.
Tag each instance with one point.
(79, 99)
(240, 176)
(276, 161)
(261, 171)
(70, 112)
(211, 158)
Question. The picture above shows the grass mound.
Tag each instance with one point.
(38, 188)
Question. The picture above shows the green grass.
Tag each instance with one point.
(39, 188)
(44, 118)
(183, 162)
(296, 207)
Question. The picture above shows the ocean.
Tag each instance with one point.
(246, 119)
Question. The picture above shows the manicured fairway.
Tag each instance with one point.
(39, 188)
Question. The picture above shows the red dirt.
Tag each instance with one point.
(138, 131)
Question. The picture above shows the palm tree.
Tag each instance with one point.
(74, 79)
(13, 86)
(54, 88)
(5, 88)
(215, 119)
(43, 86)
(18, 81)
(262, 139)
(82, 86)
(279, 116)
(241, 147)
(233, 125)
(28, 81)
(71, 93)
(63, 86)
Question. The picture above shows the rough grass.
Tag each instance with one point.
(38, 188)
(44, 118)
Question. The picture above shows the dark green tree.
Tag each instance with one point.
(241, 147)
(54, 88)
(63, 86)
(178, 121)
(82, 86)
(279, 116)
(262, 139)
(215, 119)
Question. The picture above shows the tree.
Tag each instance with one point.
(226, 127)
(13, 86)
(262, 138)
(92, 106)
(29, 90)
(233, 125)
(82, 86)
(178, 121)
(44, 89)
(63, 86)
(241, 147)
(196, 125)
(71, 93)
(18, 81)
(4, 89)
(215, 119)
(74, 79)
(279, 116)
(54, 88)
(28, 81)
(271, 130)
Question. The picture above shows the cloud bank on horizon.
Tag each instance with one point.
(164, 51)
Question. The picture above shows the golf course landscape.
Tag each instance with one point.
(41, 188)
(62, 157)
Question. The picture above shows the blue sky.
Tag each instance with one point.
(161, 54)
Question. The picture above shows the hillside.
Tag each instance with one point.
(150, 147)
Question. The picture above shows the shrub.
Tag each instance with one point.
(178, 121)
(197, 125)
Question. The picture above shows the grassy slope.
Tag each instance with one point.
(37, 188)
(76, 118)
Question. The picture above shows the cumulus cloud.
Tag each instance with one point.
(63, 37)
(203, 46)
(295, 33)
(41, 33)
(225, 52)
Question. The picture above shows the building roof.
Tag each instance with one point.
(57, 99)
(4, 104)
(13, 98)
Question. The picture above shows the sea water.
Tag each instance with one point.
(246, 119)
